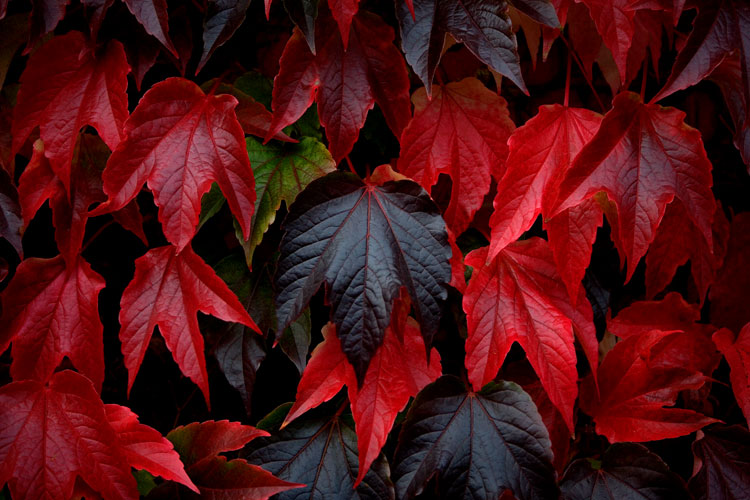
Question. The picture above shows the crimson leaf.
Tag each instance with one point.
(479, 444)
(627, 470)
(365, 242)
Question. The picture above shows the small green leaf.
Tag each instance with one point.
(211, 203)
(282, 171)
(145, 482)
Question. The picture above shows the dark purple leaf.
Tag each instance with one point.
(478, 444)
(365, 242)
(223, 19)
(627, 470)
(11, 222)
(722, 464)
(483, 26)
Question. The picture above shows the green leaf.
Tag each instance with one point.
(211, 203)
(282, 171)
(145, 482)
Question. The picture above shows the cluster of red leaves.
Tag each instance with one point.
(383, 250)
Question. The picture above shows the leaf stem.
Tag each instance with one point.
(351, 166)
(585, 76)
(567, 78)
(96, 234)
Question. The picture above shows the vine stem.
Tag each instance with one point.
(351, 166)
(585, 76)
(96, 234)
(567, 78)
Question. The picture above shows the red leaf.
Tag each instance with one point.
(691, 350)
(636, 381)
(180, 141)
(398, 371)
(614, 22)
(343, 12)
(539, 153)
(731, 289)
(52, 434)
(553, 420)
(462, 132)
(737, 351)
(70, 210)
(199, 441)
(49, 312)
(168, 289)
(642, 157)
(679, 240)
(519, 297)
(344, 82)
(199, 445)
(571, 236)
(152, 14)
(65, 86)
(145, 448)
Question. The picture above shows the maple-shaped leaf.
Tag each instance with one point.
(478, 444)
(642, 157)
(11, 222)
(366, 242)
(462, 131)
(679, 240)
(168, 290)
(53, 433)
(636, 381)
(736, 350)
(321, 451)
(722, 463)
(199, 445)
(397, 372)
(282, 171)
(180, 140)
(519, 297)
(152, 14)
(223, 17)
(732, 285)
(720, 28)
(345, 83)
(50, 311)
(539, 153)
(614, 22)
(483, 26)
(626, 470)
(66, 85)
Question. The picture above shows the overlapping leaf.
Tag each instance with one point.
(52, 433)
(365, 242)
(736, 350)
(180, 140)
(642, 157)
(281, 173)
(65, 86)
(637, 379)
(478, 444)
(50, 311)
(720, 28)
(11, 223)
(732, 284)
(722, 463)
(199, 445)
(397, 372)
(483, 26)
(222, 20)
(626, 470)
(462, 131)
(519, 297)
(168, 290)
(345, 83)
(321, 451)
